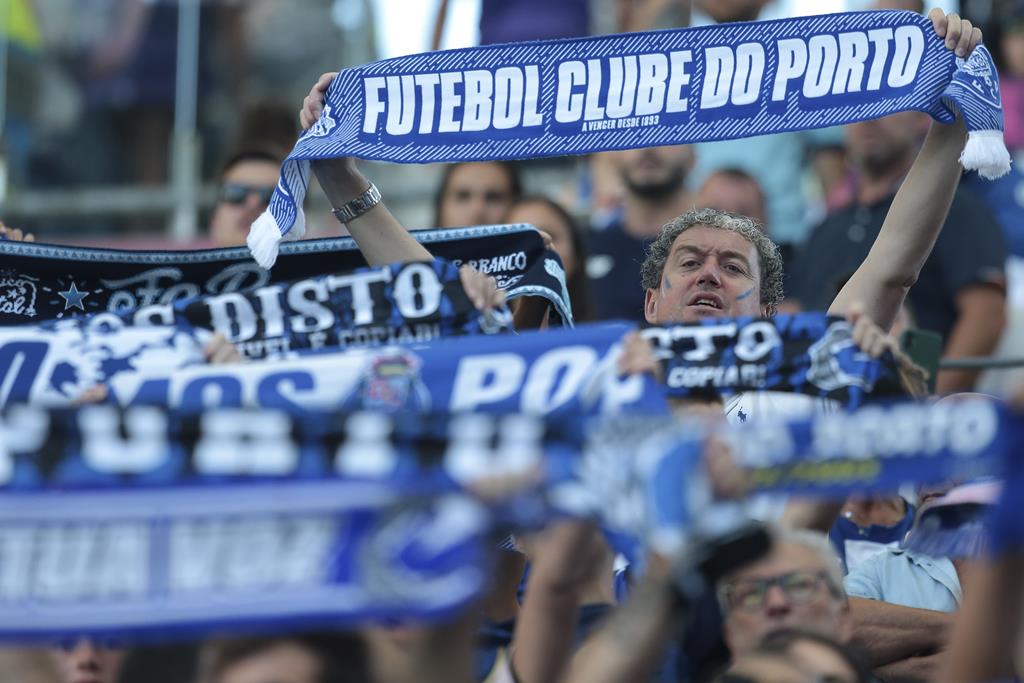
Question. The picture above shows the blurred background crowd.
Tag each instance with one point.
(163, 123)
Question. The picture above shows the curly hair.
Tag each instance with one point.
(768, 253)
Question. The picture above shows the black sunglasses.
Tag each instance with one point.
(234, 193)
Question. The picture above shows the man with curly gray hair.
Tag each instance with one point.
(722, 264)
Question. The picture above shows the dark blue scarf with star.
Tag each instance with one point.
(57, 361)
(40, 282)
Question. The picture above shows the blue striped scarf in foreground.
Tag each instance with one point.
(152, 523)
(559, 97)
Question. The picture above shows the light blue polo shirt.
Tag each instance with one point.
(904, 578)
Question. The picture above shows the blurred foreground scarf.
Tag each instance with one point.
(665, 491)
(129, 523)
(578, 96)
(195, 524)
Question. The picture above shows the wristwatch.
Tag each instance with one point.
(355, 208)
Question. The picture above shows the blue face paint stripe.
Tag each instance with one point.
(745, 294)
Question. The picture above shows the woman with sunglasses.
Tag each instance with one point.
(246, 184)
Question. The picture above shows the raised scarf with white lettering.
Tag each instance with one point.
(578, 96)
(663, 490)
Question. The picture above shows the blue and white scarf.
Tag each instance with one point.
(402, 302)
(139, 561)
(809, 353)
(578, 96)
(558, 371)
(128, 523)
(55, 362)
(555, 373)
(148, 523)
(662, 493)
(41, 282)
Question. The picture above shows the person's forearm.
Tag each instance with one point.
(381, 238)
(912, 669)
(976, 333)
(910, 229)
(626, 649)
(439, 21)
(987, 631)
(567, 555)
(888, 633)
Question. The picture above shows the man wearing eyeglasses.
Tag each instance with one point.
(799, 584)
(246, 184)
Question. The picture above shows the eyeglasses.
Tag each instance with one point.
(235, 193)
(799, 587)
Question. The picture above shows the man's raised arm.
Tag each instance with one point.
(919, 210)
(381, 238)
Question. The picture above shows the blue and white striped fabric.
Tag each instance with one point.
(560, 97)
(150, 523)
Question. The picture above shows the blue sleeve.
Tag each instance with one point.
(865, 581)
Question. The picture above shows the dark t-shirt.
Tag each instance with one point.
(1005, 197)
(512, 21)
(970, 250)
(614, 271)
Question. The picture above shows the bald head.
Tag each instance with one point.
(735, 191)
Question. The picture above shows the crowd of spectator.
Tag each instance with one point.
(835, 598)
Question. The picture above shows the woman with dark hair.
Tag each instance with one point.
(247, 182)
(566, 239)
(477, 193)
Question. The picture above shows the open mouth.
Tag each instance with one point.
(710, 302)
